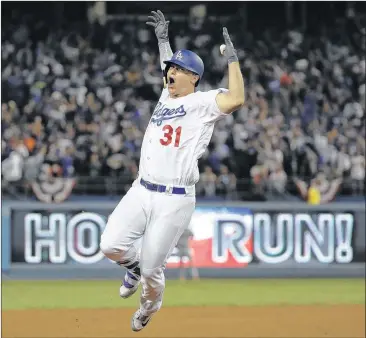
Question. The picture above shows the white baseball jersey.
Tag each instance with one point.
(179, 131)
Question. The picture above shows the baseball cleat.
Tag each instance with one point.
(139, 321)
(130, 284)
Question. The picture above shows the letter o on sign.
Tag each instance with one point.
(78, 228)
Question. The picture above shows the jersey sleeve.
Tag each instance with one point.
(210, 111)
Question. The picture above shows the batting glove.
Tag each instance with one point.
(230, 51)
(157, 20)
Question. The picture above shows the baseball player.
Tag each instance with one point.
(159, 205)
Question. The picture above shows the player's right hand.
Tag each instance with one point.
(157, 20)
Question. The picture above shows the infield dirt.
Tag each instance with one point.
(219, 322)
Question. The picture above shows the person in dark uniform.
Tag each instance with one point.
(185, 252)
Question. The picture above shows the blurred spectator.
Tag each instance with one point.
(207, 184)
(13, 166)
(226, 184)
(319, 191)
(277, 181)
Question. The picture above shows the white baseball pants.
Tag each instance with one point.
(160, 219)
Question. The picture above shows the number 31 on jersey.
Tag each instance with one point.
(169, 134)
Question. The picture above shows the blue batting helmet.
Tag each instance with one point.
(187, 60)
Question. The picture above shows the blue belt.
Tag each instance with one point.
(161, 188)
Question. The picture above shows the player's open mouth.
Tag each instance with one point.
(171, 80)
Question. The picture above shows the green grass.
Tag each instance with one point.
(104, 294)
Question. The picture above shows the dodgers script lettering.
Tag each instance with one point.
(162, 113)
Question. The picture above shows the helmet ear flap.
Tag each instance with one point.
(196, 84)
(165, 72)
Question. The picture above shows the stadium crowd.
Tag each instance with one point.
(76, 102)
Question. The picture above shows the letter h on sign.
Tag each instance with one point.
(49, 238)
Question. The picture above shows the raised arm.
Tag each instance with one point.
(232, 100)
(157, 20)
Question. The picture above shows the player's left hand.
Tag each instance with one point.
(157, 20)
(230, 51)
